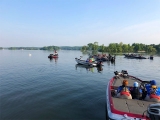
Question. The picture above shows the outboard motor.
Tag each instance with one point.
(124, 73)
(153, 111)
(151, 57)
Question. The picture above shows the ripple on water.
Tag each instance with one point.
(38, 88)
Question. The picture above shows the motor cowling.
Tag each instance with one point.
(153, 111)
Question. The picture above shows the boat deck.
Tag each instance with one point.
(129, 105)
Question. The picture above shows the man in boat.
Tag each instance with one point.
(136, 92)
(153, 92)
(55, 53)
(124, 91)
(87, 60)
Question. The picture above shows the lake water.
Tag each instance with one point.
(35, 87)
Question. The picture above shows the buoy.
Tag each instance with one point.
(30, 54)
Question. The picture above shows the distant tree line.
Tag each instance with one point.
(50, 48)
(120, 47)
(23, 48)
(70, 48)
(112, 47)
(1, 48)
(45, 48)
(62, 48)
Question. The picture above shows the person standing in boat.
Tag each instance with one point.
(153, 92)
(124, 91)
(136, 92)
(55, 53)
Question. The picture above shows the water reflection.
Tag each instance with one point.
(88, 68)
(113, 62)
(99, 69)
(53, 60)
(110, 63)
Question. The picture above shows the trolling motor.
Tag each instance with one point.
(153, 111)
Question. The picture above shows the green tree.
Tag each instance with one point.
(102, 48)
(125, 48)
(95, 46)
(90, 46)
(84, 48)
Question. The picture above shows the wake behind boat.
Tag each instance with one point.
(129, 109)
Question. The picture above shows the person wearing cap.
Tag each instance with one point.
(153, 92)
(136, 92)
(150, 86)
(124, 86)
(123, 91)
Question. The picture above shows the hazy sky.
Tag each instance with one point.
(38, 23)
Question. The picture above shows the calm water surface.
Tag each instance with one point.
(35, 87)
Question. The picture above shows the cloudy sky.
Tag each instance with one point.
(38, 23)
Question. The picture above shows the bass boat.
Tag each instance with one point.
(89, 63)
(133, 56)
(53, 56)
(128, 109)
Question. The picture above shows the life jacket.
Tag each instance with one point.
(155, 91)
(90, 60)
(135, 93)
(154, 96)
(125, 93)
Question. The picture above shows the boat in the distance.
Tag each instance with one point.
(103, 57)
(128, 109)
(151, 57)
(88, 62)
(55, 55)
(134, 56)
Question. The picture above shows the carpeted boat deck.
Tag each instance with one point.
(129, 105)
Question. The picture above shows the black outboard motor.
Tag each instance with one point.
(153, 111)
(112, 59)
(124, 73)
(151, 57)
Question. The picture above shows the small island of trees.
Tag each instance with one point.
(122, 48)
(50, 48)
